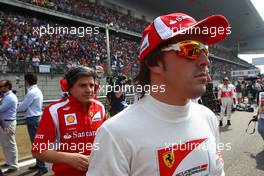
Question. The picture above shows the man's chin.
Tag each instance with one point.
(198, 92)
(87, 100)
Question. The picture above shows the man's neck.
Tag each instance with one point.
(170, 98)
(85, 107)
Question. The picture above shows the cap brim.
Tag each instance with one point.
(213, 29)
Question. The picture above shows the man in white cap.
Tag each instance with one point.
(165, 133)
(226, 97)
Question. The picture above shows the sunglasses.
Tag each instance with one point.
(189, 49)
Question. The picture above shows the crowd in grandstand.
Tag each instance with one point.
(94, 12)
(20, 45)
(219, 69)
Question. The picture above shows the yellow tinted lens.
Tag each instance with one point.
(191, 49)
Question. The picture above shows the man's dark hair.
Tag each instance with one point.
(8, 84)
(31, 78)
(143, 77)
(75, 73)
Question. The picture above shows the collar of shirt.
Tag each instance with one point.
(78, 105)
(7, 93)
(31, 87)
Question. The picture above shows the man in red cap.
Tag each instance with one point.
(165, 133)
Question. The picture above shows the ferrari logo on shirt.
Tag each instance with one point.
(70, 119)
(91, 114)
(168, 159)
(96, 117)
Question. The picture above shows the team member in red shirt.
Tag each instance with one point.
(67, 128)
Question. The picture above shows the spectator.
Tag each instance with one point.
(239, 92)
(117, 97)
(8, 109)
(32, 105)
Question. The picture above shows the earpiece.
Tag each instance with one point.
(64, 85)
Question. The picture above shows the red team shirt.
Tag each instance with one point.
(66, 123)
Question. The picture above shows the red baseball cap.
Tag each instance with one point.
(176, 25)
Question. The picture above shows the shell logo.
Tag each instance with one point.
(70, 119)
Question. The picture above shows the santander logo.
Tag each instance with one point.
(67, 136)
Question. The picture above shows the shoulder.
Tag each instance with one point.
(57, 105)
(13, 97)
(98, 105)
(205, 114)
(205, 111)
(96, 102)
(34, 90)
(125, 119)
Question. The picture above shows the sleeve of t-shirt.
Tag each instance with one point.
(107, 154)
(46, 133)
(218, 155)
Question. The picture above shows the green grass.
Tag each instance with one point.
(23, 143)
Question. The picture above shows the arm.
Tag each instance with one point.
(107, 154)
(5, 127)
(23, 106)
(43, 150)
(75, 160)
(218, 156)
(6, 104)
(2, 123)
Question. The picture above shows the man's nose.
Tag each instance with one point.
(203, 60)
(90, 88)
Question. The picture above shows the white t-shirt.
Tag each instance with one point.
(151, 138)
